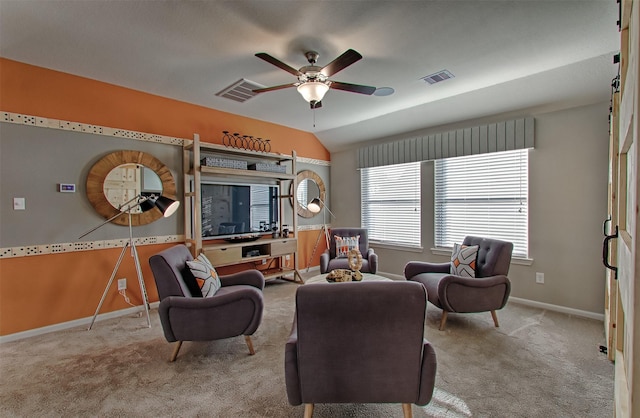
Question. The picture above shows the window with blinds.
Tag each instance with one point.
(483, 195)
(390, 208)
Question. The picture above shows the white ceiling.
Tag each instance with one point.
(505, 55)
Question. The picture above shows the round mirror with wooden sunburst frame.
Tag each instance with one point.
(98, 174)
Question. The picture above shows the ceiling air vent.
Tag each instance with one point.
(437, 77)
(240, 91)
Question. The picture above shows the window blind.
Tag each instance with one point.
(302, 193)
(390, 209)
(483, 195)
(263, 205)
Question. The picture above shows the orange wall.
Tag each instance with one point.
(43, 290)
(41, 92)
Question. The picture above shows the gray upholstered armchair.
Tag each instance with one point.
(362, 347)
(328, 260)
(235, 309)
(488, 291)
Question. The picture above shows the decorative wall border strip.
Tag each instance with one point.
(21, 119)
(316, 227)
(312, 161)
(70, 247)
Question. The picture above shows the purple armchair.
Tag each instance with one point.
(235, 309)
(354, 343)
(488, 291)
(329, 262)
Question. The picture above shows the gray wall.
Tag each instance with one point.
(33, 160)
(568, 172)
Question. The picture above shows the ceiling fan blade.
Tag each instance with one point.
(280, 87)
(315, 105)
(278, 63)
(342, 62)
(354, 88)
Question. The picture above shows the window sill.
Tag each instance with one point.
(521, 261)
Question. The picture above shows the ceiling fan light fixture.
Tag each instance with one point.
(313, 91)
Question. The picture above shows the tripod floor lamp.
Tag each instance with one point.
(315, 206)
(167, 207)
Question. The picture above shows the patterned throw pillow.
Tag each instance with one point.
(346, 244)
(205, 275)
(463, 260)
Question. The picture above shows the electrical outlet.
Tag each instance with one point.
(539, 278)
(122, 284)
(264, 261)
(287, 257)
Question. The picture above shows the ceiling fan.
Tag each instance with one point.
(313, 81)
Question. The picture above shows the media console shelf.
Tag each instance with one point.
(228, 254)
(282, 250)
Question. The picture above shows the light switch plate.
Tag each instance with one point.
(19, 203)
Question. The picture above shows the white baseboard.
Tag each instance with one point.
(73, 324)
(532, 303)
(558, 308)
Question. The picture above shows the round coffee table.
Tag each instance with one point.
(366, 277)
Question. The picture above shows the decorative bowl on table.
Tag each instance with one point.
(339, 275)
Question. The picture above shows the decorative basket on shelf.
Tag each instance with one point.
(223, 163)
(272, 168)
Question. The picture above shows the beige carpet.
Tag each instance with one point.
(537, 364)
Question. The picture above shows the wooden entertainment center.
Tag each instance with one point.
(278, 255)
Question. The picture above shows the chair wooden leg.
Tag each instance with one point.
(175, 351)
(443, 320)
(247, 339)
(406, 410)
(495, 318)
(308, 410)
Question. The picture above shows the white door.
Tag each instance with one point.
(627, 259)
(610, 251)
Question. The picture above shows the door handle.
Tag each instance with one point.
(605, 247)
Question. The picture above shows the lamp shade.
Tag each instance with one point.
(313, 91)
(314, 205)
(165, 205)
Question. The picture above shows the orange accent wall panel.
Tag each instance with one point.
(43, 290)
(306, 242)
(42, 92)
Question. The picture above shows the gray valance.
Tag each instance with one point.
(494, 137)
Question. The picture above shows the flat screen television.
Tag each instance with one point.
(230, 210)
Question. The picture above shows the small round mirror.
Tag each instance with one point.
(307, 190)
(309, 186)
